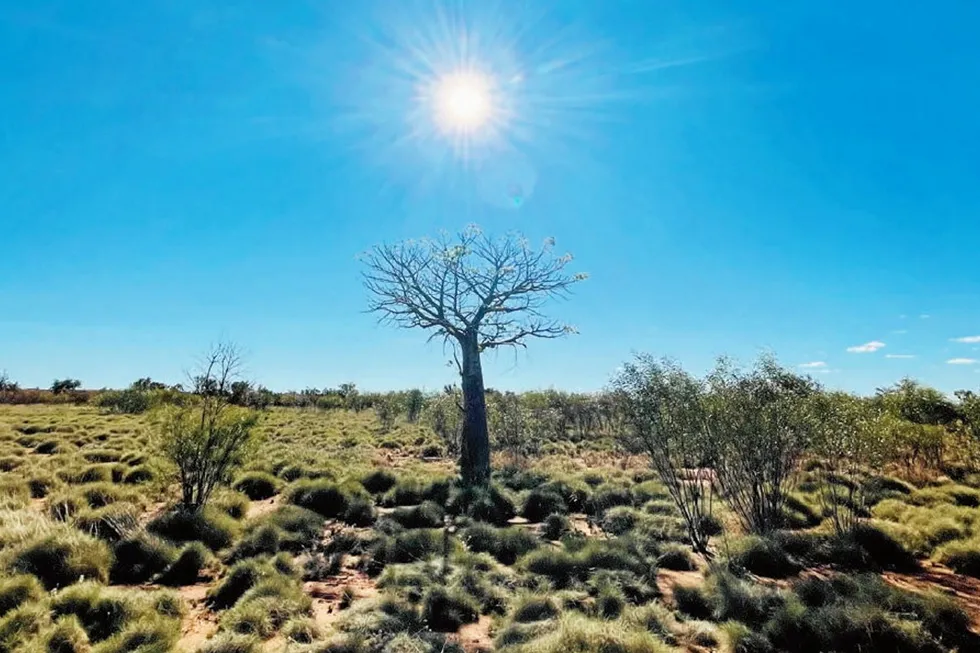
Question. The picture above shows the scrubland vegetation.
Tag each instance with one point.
(749, 510)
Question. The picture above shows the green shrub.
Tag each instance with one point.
(321, 496)
(211, 526)
(609, 602)
(609, 495)
(427, 515)
(541, 502)
(574, 493)
(882, 549)
(301, 630)
(233, 504)
(677, 558)
(620, 520)
(139, 474)
(445, 611)
(68, 636)
(534, 608)
(61, 559)
(504, 544)
(187, 567)
(239, 579)
(575, 633)
(555, 526)
(486, 504)
(763, 557)
(360, 511)
(139, 558)
(379, 481)
(738, 600)
(257, 485)
(299, 527)
(111, 523)
(692, 601)
(963, 557)
(18, 590)
(22, 626)
(102, 612)
(416, 544)
(99, 495)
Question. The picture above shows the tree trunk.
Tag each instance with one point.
(474, 460)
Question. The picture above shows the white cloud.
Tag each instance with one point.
(813, 365)
(966, 339)
(924, 316)
(867, 347)
(899, 355)
(962, 361)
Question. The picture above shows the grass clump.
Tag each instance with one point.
(301, 630)
(763, 557)
(504, 544)
(187, 567)
(257, 486)
(63, 558)
(555, 526)
(486, 504)
(233, 504)
(692, 601)
(534, 607)
(67, 636)
(427, 515)
(138, 559)
(321, 496)
(15, 591)
(298, 527)
(541, 502)
(963, 557)
(231, 643)
(22, 625)
(379, 481)
(576, 633)
(676, 558)
(209, 525)
(445, 611)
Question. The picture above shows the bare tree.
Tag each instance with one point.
(208, 440)
(477, 293)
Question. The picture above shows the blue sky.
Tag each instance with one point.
(800, 179)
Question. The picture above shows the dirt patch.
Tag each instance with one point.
(264, 507)
(668, 579)
(938, 578)
(327, 594)
(585, 525)
(200, 623)
(476, 637)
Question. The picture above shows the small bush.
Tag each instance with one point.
(555, 526)
(692, 601)
(609, 495)
(140, 474)
(211, 526)
(257, 486)
(22, 625)
(427, 515)
(963, 557)
(379, 481)
(486, 504)
(41, 485)
(321, 496)
(620, 520)
(18, 590)
(100, 495)
(233, 504)
(763, 557)
(446, 611)
(882, 549)
(102, 612)
(61, 559)
(360, 511)
(65, 506)
(534, 608)
(239, 579)
(299, 527)
(301, 630)
(68, 636)
(111, 523)
(139, 558)
(541, 502)
(676, 558)
(187, 567)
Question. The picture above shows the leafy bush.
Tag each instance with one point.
(257, 485)
(61, 559)
(211, 526)
(677, 558)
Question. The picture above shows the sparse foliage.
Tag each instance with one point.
(208, 440)
(61, 386)
(477, 293)
(664, 410)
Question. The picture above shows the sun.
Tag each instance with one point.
(463, 102)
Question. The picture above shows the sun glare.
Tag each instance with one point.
(463, 102)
